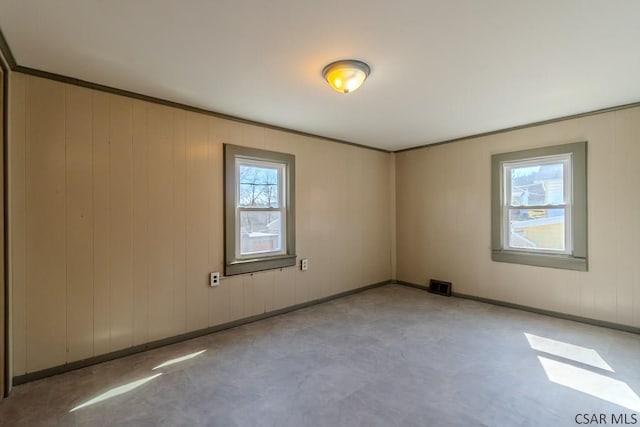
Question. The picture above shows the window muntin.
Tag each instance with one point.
(536, 213)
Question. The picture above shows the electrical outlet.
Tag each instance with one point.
(304, 264)
(214, 279)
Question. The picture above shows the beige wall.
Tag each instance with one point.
(116, 221)
(443, 216)
(2, 281)
(115, 210)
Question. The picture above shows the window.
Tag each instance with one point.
(259, 210)
(539, 207)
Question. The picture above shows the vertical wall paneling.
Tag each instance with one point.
(301, 290)
(236, 294)
(197, 196)
(218, 297)
(120, 178)
(626, 211)
(635, 137)
(45, 224)
(379, 200)
(392, 214)
(256, 292)
(140, 224)
(269, 289)
(283, 288)
(219, 307)
(178, 226)
(356, 212)
(160, 221)
(603, 162)
(79, 219)
(311, 197)
(333, 219)
(216, 199)
(253, 294)
(434, 251)
(101, 225)
(4, 309)
(17, 224)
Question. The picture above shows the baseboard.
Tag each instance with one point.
(565, 316)
(411, 285)
(44, 373)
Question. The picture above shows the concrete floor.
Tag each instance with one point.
(388, 356)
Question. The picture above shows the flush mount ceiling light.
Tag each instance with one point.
(347, 75)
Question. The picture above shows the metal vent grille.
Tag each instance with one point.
(439, 287)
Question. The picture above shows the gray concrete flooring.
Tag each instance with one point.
(385, 357)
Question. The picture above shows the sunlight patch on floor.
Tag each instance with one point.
(179, 359)
(591, 383)
(576, 353)
(116, 391)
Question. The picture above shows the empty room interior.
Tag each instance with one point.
(365, 213)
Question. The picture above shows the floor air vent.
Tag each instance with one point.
(439, 287)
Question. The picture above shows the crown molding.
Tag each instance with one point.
(524, 126)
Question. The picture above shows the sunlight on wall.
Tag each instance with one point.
(179, 359)
(576, 353)
(116, 392)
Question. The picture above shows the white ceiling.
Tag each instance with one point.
(440, 69)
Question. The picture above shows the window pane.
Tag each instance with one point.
(537, 229)
(260, 232)
(258, 186)
(537, 184)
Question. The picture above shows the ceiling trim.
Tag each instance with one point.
(524, 126)
(152, 99)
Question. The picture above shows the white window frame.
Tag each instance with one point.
(235, 262)
(574, 255)
(507, 206)
(282, 208)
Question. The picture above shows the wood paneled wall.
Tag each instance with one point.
(3, 337)
(116, 221)
(444, 225)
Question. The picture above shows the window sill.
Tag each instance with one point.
(259, 264)
(563, 262)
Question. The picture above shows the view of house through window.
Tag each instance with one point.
(537, 206)
(260, 208)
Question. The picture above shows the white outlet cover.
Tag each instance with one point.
(214, 279)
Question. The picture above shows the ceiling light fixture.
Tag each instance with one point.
(347, 75)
